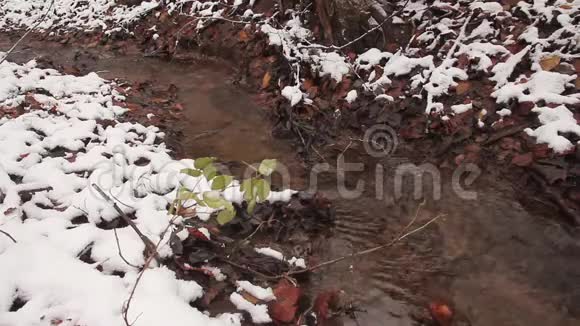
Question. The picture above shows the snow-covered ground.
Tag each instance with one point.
(56, 150)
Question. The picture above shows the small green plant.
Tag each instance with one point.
(256, 189)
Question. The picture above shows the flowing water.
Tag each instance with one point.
(494, 261)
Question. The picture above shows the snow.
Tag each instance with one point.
(260, 293)
(267, 251)
(461, 108)
(72, 14)
(43, 268)
(555, 121)
(351, 96)
(258, 312)
(502, 71)
(293, 94)
(483, 30)
(333, 64)
(543, 85)
(370, 58)
(57, 286)
(489, 7)
(298, 262)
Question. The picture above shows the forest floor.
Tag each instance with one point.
(476, 103)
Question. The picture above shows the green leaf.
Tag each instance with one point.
(267, 167)
(262, 189)
(221, 182)
(213, 199)
(248, 189)
(251, 206)
(202, 162)
(225, 216)
(191, 172)
(210, 171)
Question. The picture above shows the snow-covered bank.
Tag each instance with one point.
(58, 137)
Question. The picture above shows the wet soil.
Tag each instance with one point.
(495, 260)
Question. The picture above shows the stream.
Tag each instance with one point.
(494, 261)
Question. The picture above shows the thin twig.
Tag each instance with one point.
(27, 32)
(404, 234)
(120, 251)
(148, 243)
(127, 303)
(8, 235)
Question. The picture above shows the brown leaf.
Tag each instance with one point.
(266, 80)
(523, 159)
(244, 37)
(285, 307)
(462, 87)
(577, 82)
(550, 62)
(250, 297)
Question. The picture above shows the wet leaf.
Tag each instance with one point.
(251, 206)
(248, 189)
(322, 304)
(213, 199)
(202, 162)
(221, 182)
(191, 172)
(266, 80)
(462, 87)
(225, 216)
(262, 188)
(209, 171)
(243, 36)
(441, 313)
(197, 234)
(523, 159)
(285, 307)
(267, 167)
(550, 62)
(250, 297)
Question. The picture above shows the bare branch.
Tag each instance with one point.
(8, 235)
(120, 251)
(150, 247)
(27, 32)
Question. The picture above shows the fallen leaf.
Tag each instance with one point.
(462, 87)
(285, 307)
(550, 62)
(197, 234)
(323, 303)
(244, 37)
(523, 159)
(250, 297)
(266, 80)
(441, 313)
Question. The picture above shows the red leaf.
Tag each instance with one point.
(286, 305)
(323, 303)
(197, 234)
(441, 313)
